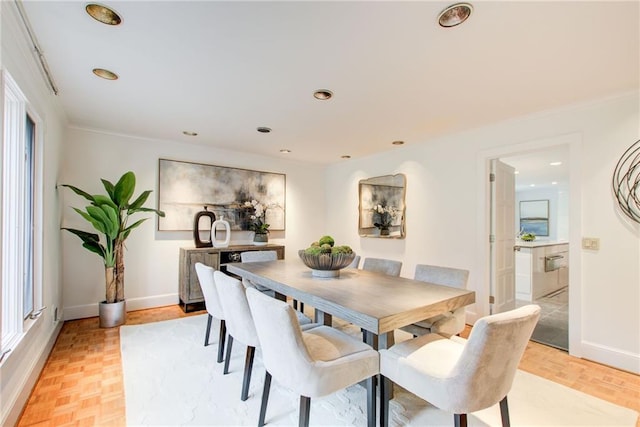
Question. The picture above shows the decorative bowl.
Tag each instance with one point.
(326, 265)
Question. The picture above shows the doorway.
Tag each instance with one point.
(541, 213)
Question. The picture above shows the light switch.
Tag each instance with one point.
(591, 243)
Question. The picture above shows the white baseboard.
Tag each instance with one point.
(91, 310)
(613, 357)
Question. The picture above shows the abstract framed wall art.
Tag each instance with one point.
(186, 188)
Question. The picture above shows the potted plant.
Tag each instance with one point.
(109, 215)
(258, 222)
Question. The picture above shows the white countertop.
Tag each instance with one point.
(539, 243)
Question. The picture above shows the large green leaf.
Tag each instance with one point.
(79, 192)
(158, 212)
(105, 220)
(114, 220)
(91, 242)
(86, 237)
(127, 230)
(104, 200)
(124, 189)
(96, 223)
(109, 187)
(137, 204)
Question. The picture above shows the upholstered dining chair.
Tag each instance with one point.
(450, 323)
(457, 375)
(257, 256)
(312, 363)
(380, 265)
(355, 263)
(212, 304)
(240, 325)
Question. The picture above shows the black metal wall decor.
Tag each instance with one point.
(626, 182)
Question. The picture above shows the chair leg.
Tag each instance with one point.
(206, 336)
(265, 398)
(460, 420)
(248, 366)
(385, 394)
(295, 304)
(228, 356)
(302, 307)
(305, 410)
(371, 401)
(504, 412)
(223, 333)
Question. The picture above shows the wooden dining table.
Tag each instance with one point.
(375, 302)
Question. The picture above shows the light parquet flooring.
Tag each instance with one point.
(82, 385)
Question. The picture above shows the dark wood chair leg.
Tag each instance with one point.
(504, 412)
(206, 335)
(248, 366)
(385, 395)
(460, 420)
(265, 398)
(371, 401)
(221, 336)
(302, 307)
(295, 304)
(305, 411)
(228, 356)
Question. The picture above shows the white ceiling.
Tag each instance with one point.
(222, 69)
(535, 171)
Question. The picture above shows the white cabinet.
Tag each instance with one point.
(541, 270)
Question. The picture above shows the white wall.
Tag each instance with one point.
(151, 260)
(446, 211)
(21, 367)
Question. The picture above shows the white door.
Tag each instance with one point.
(503, 237)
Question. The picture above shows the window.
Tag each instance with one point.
(21, 286)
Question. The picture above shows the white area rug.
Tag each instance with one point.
(172, 379)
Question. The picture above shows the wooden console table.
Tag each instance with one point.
(191, 297)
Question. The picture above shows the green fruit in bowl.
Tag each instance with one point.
(528, 237)
(326, 240)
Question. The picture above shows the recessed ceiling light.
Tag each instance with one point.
(555, 163)
(103, 14)
(285, 151)
(554, 183)
(323, 94)
(454, 15)
(516, 172)
(189, 133)
(532, 185)
(397, 143)
(263, 129)
(346, 156)
(105, 74)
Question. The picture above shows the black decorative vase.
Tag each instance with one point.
(196, 228)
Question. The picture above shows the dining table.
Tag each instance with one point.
(377, 303)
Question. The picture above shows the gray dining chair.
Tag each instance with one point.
(449, 323)
(355, 263)
(257, 256)
(380, 265)
(312, 363)
(457, 375)
(212, 304)
(240, 325)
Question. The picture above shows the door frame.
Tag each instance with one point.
(482, 306)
